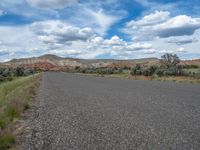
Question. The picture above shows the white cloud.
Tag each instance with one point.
(51, 4)
(4, 52)
(17, 37)
(115, 40)
(97, 19)
(160, 24)
(151, 19)
(101, 20)
(18, 41)
(51, 37)
(1, 12)
(69, 39)
(177, 26)
(165, 34)
(182, 40)
(139, 46)
(181, 49)
(151, 6)
(55, 31)
(97, 40)
(65, 52)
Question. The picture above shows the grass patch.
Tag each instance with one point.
(142, 77)
(6, 141)
(15, 98)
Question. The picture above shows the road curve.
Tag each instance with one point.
(95, 113)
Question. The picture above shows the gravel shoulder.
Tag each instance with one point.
(84, 112)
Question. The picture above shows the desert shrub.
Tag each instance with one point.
(27, 72)
(159, 72)
(190, 66)
(1, 70)
(82, 71)
(169, 67)
(19, 71)
(126, 68)
(77, 69)
(171, 70)
(6, 72)
(101, 70)
(119, 70)
(136, 70)
(179, 70)
(149, 71)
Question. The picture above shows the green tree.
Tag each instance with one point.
(169, 59)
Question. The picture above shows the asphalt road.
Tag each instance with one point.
(95, 113)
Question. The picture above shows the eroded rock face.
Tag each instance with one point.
(191, 62)
(52, 62)
(55, 63)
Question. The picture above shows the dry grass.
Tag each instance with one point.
(179, 79)
(166, 78)
(141, 77)
(14, 100)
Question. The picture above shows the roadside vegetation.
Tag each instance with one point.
(168, 69)
(9, 74)
(17, 88)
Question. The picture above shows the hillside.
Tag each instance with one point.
(53, 62)
(191, 62)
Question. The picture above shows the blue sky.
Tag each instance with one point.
(118, 29)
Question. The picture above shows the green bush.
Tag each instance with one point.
(27, 72)
(159, 71)
(102, 70)
(136, 70)
(7, 74)
(190, 66)
(149, 71)
(169, 67)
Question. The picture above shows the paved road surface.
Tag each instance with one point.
(93, 113)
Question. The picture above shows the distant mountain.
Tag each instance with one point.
(53, 62)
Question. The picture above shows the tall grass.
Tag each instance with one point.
(14, 99)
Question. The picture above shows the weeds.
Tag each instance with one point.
(6, 141)
(15, 98)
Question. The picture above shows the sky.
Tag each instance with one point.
(94, 29)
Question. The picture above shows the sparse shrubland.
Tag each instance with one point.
(169, 67)
(8, 74)
(101, 71)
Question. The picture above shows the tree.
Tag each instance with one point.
(169, 59)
